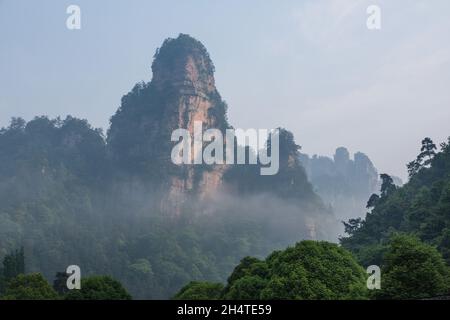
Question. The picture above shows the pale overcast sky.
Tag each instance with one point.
(310, 66)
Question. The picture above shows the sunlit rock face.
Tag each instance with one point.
(181, 92)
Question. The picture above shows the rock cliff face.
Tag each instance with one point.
(184, 67)
(181, 92)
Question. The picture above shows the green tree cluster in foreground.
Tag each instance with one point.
(410, 269)
(198, 290)
(99, 288)
(16, 285)
(35, 287)
(309, 270)
(29, 287)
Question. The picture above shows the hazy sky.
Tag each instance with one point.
(312, 66)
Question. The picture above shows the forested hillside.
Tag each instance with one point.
(421, 207)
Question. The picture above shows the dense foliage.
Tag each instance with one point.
(196, 290)
(414, 263)
(17, 285)
(413, 270)
(309, 270)
(29, 287)
(99, 288)
(420, 207)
